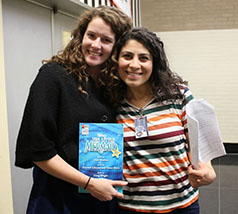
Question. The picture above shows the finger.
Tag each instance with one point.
(106, 198)
(194, 184)
(197, 173)
(190, 169)
(119, 195)
(119, 183)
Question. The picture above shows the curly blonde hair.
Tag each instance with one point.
(72, 58)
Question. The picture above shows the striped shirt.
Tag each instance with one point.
(156, 166)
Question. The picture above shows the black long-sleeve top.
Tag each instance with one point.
(52, 114)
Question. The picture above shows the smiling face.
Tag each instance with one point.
(135, 65)
(98, 42)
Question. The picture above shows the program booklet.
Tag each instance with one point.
(101, 151)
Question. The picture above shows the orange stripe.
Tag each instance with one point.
(155, 127)
(153, 174)
(160, 117)
(159, 165)
(164, 116)
(165, 125)
(129, 129)
(130, 121)
(183, 114)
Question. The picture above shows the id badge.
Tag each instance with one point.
(141, 128)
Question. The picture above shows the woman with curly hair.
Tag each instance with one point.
(151, 102)
(69, 89)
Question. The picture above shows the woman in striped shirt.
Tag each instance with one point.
(151, 102)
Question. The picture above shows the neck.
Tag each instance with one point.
(94, 73)
(139, 98)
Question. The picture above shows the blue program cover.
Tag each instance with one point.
(101, 151)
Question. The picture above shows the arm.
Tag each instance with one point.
(204, 175)
(102, 189)
(43, 135)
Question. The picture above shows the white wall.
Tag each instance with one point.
(6, 205)
(27, 40)
(208, 59)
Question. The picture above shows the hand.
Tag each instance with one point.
(204, 175)
(103, 189)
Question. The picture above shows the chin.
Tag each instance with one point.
(93, 64)
(132, 85)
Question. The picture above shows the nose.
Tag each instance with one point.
(135, 63)
(96, 43)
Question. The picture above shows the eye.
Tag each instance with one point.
(107, 40)
(126, 56)
(145, 58)
(91, 35)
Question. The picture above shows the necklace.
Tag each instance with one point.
(139, 102)
(141, 127)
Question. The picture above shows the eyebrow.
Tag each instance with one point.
(130, 52)
(110, 38)
(102, 35)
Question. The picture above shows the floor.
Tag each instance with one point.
(221, 197)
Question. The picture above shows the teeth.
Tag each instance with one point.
(94, 54)
(134, 74)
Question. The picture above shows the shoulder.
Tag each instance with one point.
(52, 69)
(183, 88)
(49, 74)
(186, 92)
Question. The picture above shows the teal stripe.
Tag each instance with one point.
(131, 113)
(152, 110)
(189, 98)
(158, 155)
(160, 203)
(162, 108)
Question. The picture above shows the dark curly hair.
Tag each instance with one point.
(72, 58)
(165, 83)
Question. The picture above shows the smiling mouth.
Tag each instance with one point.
(94, 53)
(133, 74)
